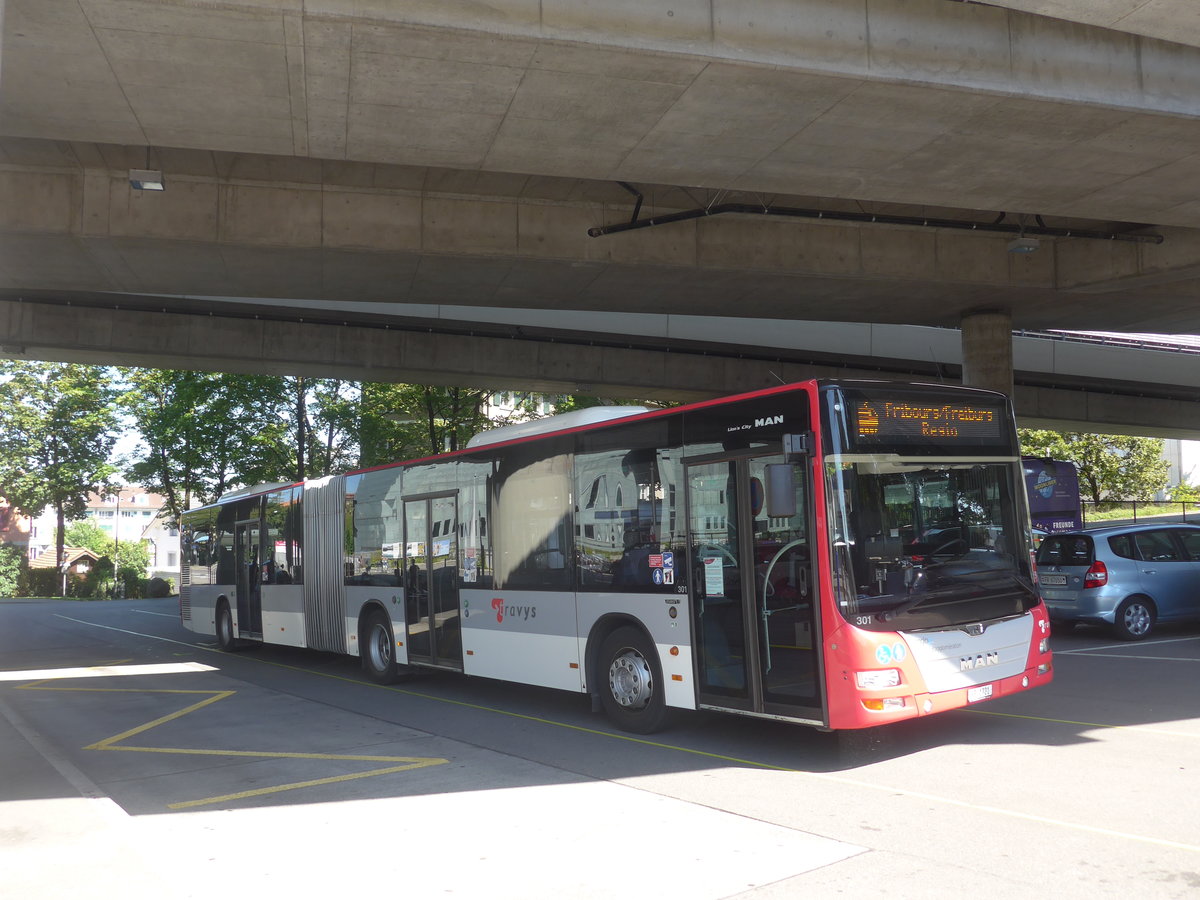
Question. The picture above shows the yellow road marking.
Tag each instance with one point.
(242, 795)
(116, 743)
(820, 776)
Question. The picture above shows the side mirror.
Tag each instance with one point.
(781, 490)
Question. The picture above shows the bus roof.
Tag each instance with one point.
(574, 419)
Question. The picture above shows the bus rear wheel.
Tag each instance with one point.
(379, 649)
(630, 681)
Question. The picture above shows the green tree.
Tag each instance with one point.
(12, 560)
(406, 421)
(322, 418)
(203, 433)
(91, 536)
(125, 561)
(58, 423)
(1111, 466)
(1185, 493)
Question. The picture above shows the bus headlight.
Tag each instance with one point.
(1044, 645)
(877, 679)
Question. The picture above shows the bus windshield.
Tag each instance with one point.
(927, 544)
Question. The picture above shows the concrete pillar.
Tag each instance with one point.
(987, 351)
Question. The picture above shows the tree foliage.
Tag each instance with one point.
(1111, 466)
(12, 561)
(203, 433)
(58, 423)
(126, 561)
(406, 421)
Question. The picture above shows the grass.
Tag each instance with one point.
(1127, 510)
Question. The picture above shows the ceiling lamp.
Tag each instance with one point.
(146, 179)
(1023, 244)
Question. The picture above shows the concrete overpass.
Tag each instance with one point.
(459, 153)
(1061, 384)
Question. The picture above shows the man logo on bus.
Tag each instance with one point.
(967, 663)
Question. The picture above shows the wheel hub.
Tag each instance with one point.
(381, 647)
(1137, 619)
(630, 680)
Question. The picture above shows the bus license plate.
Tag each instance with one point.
(976, 694)
(1056, 580)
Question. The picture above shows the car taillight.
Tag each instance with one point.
(1097, 575)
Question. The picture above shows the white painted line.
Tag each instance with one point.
(1012, 813)
(1155, 658)
(1126, 646)
(104, 671)
(146, 612)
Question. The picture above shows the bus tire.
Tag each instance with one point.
(1134, 619)
(226, 637)
(379, 648)
(630, 682)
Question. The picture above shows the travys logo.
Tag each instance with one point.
(524, 613)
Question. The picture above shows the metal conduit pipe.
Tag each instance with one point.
(749, 209)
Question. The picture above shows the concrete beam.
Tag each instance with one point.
(987, 351)
(1176, 21)
(254, 226)
(282, 347)
(905, 101)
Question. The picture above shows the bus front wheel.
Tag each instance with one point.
(630, 681)
(379, 649)
(226, 639)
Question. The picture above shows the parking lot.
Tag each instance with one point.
(139, 761)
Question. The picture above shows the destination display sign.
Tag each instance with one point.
(876, 420)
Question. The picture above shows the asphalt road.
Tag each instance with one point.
(136, 760)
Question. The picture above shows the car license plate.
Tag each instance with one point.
(975, 694)
(1053, 580)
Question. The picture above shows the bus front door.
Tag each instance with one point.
(249, 583)
(756, 633)
(431, 581)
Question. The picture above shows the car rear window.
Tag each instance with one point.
(1191, 542)
(1122, 545)
(1065, 550)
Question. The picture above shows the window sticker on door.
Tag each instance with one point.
(714, 576)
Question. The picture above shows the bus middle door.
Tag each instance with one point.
(248, 541)
(431, 581)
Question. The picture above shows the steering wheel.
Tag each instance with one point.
(944, 549)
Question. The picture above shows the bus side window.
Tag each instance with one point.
(531, 522)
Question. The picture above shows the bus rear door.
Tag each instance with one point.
(755, 627)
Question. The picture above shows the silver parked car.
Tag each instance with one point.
(1129, 577)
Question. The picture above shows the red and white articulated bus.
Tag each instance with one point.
(838, 554)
